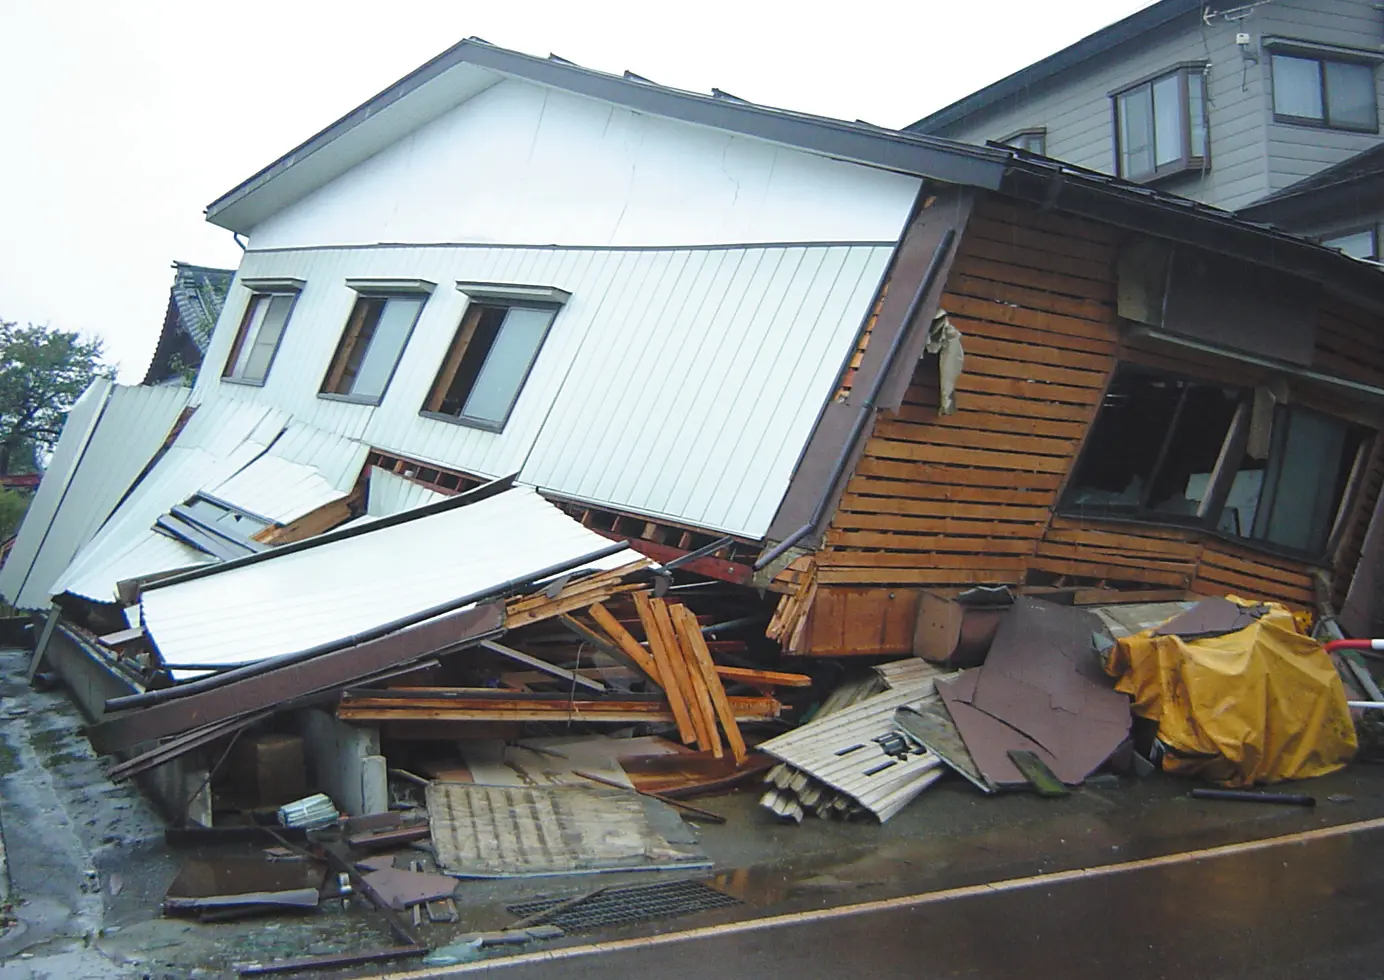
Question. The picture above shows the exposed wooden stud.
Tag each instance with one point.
(671, 679)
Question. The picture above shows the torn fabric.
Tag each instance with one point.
(944, 340)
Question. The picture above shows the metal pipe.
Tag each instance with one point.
(1252, 796)
(702, 552)
(867, 408)
(374, 633)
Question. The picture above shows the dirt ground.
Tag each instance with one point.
(88, 866)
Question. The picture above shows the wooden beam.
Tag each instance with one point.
(626, 641)
(692, 637)
(672, 681)
(528, 709)
(761, 678)
(538, 663)
(679, 666)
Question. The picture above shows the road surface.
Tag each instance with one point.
(1302, 907)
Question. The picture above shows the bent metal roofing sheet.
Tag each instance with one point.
(317, 595)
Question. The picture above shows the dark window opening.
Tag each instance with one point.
(371, 345)
(489, 361)
(1170, 450)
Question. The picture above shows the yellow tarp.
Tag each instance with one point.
(1256, 706)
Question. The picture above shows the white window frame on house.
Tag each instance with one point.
(261, 330)
(1351, 243)
(1284, 58)
(365, 359)
(1180, 91)
(492, 353)
(1032, 140)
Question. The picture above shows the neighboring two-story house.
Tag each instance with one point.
(1267, 108)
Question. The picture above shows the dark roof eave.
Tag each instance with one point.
(1088, 47)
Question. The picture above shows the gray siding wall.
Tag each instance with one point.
(1294, 151)
(1251, 155)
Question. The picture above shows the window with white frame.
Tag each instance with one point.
(1161, 126)
(1029, 140)
(1334, 94)
(1363, 244)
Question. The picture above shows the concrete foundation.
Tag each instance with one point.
(345, 762)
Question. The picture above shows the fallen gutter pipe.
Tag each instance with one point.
(148, 698)
(867, 408)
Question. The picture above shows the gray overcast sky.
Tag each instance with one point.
(121, 120)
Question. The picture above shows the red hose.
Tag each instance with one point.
(1354, 645)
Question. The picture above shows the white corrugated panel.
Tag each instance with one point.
(304, 469)
(388, 493)
(317, 595)
(677, 383)
(43, 509)
(817, 749)
(219, 440)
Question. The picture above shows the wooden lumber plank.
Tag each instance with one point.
(924, 412)
(626, 641)
(1120, 573)
(699, 713)
(1056, 222)
(949, 526)
(993, 542)
(1028, 371)
(999, 438)
(1039, 391)
(1025, 235)
(762, 678)
(1254, 569)
(959, 476)
(521, 710)
(1031, 351)
(964, 557)
(672, 680)
(908, 491)
(846, 575)
(862, 503)
(1131, 543)
(691, 635)
(960, 456)
(1024, 408)
(1098, 272)
(1117, 556)
(983, 267)
(596, 583)
(1036, 300)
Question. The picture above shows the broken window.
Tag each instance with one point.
(257, 340)
(1171, 450)
(371, 345)
(214, 527)
(488, 362)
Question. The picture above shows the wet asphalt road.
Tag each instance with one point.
(1294, 911)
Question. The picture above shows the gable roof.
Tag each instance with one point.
(199, 292)
(473, 65)
(1090, 46)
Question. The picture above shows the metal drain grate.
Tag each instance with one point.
(621, 906)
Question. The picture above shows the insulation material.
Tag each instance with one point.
(503, 831)
(944, 340)
(1258, 705)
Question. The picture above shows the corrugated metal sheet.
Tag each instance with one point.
(908, 672)
(220, 439)
(680, 383)
(388, 493)
(304, 469)
(330, 592)
(133, 424)
(43, 509)
(819, 750)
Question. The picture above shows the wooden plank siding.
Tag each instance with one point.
(946, 502)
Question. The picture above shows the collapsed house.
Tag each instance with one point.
(743, 382)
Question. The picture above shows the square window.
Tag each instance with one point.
(1029, 140)
(370, 347)
(488, 362)
(1358, 244)
(257, 340)
(1321, 92)
(1160, 125)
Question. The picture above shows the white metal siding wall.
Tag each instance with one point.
(678, 382)
(520, 163)
(1076, 110)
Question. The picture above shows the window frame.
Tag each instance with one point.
(1040, 132)
(1208, 515)
(1322, 59)
(367, 290)
(1186, 162)
(478, 302)
(266, 289)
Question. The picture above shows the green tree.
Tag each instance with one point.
(42, 371)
